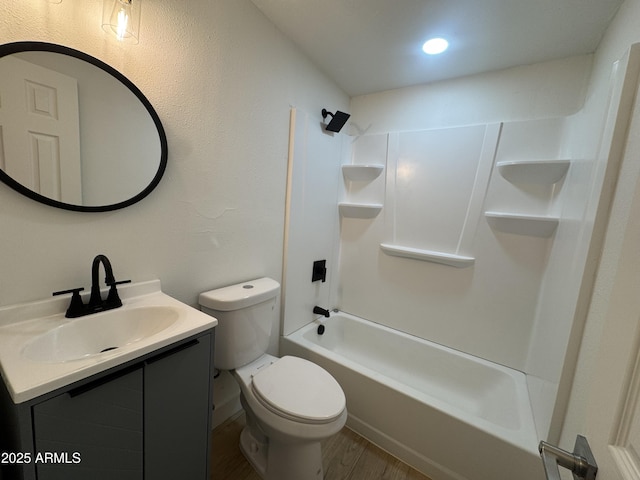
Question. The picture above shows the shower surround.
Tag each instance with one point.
(469, 228)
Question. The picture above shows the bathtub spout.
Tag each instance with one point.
(321, 311)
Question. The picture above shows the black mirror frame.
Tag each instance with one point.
(17, 47)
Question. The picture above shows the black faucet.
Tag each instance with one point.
(96, 304)
(77, 308)
(321, 311)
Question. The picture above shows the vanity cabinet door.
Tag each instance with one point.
(92, 432)
(177, 408)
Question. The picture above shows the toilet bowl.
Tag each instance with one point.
(291, 404)
(285, 424)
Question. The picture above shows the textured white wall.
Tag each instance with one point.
(222, 79)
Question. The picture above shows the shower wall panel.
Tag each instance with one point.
(436, 184)
(311, 230)
(439, 183)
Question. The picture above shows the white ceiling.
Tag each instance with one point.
(373, 45)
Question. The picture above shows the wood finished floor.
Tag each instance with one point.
(345, 456)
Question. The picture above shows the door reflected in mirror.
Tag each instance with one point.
(74, 132)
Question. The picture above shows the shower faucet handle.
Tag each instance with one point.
(319, 271)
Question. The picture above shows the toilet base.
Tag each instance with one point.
(281, 461)
(276, 447)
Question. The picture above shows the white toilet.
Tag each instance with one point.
(291, 404)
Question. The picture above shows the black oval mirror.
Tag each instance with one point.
(74, 132)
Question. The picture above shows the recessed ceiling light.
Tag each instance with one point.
(435, 46)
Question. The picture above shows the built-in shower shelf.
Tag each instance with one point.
(362, 173)
(450, 259)
(533, 225)
(359, 210)
(545, 172)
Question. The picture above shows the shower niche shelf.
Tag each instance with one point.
(532, 225)
(545, 172)
(362, 173)
(359, 210)
(451, 259)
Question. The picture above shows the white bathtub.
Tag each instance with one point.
(449, 414)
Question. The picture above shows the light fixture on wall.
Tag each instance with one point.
(122, 18)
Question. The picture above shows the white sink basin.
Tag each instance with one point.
(42, 351)
(99, 333)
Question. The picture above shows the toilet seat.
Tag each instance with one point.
(299, 390)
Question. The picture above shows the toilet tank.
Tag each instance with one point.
(245, 313)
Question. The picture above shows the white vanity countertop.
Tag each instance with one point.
(20, 324)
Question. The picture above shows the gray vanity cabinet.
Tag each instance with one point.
(149, 419)
(96, 430)
(177, 412)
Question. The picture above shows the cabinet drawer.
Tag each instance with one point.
(101, 425)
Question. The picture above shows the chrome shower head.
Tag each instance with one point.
(337, 120)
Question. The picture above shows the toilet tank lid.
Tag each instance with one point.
(241, 295)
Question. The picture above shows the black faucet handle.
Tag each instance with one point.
(113, 299)
(76, 307)
(119, 282)
(75, 291)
